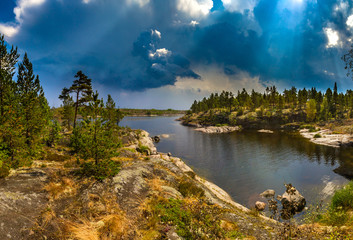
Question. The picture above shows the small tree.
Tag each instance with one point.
(68, 111)
(93, 138)
(311, 110)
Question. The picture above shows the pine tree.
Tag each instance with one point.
(8, 61)
(67, 108)
(34, 107)
(82, 89)
(93, 138)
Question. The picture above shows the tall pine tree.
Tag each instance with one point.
(82, 90)
(34, 107)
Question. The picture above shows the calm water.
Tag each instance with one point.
(247, 163)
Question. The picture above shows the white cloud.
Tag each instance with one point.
(342, 7)
(239, 5)
(160, 53)
(194, 23)
(86, 1)
(333, 39)
(195, 8)
(349, 21)
(8, 31)
(20, 11)
(156, 33)
(23, 5)
(141, 3)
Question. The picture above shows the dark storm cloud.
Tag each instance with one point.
(291, 45)
(117, 44)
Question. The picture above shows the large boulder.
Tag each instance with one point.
(146, 140)
(292, 202)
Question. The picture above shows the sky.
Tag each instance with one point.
(167, 53)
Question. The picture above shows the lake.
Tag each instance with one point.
(246, 163)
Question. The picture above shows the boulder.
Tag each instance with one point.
(260, 206)
(156, 139)
(292, 202)
(269, 193)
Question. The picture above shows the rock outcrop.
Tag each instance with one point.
(327, 138)
(212, 129)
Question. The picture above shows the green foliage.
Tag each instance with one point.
(100, 171)
(82, 90)
(343, 198)
(67, 110)
(190, 189)
(95, 137)
(317, 135)
(192, 221)
(311, 110)
(143, 149)
(235, 235)
(4, 168)
(305, 104)
(172, 211)
(54, 133)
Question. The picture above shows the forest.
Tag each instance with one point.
(316, 104)
(28, 124)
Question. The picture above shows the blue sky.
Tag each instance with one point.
(166, 53)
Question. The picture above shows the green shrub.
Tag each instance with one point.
(192, 220)
(143, 149)
(343, 198)
(100, 171)
(172, 211)
(317, 135)
(313, 129)
(190, 189)
(336, 217)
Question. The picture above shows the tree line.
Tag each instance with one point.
(318, 105)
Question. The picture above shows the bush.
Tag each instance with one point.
(100, 171)
(317, 135)
(144, 149)
(190, 189)
(191, 219)
(343, 198)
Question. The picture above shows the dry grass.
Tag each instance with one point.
(123, 159)
(64, 186)
(156, 184)
(113, 226)
(83, 231)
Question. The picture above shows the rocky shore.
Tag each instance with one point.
(327, 138)
(47, 201)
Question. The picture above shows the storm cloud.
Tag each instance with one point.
(137, 45)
